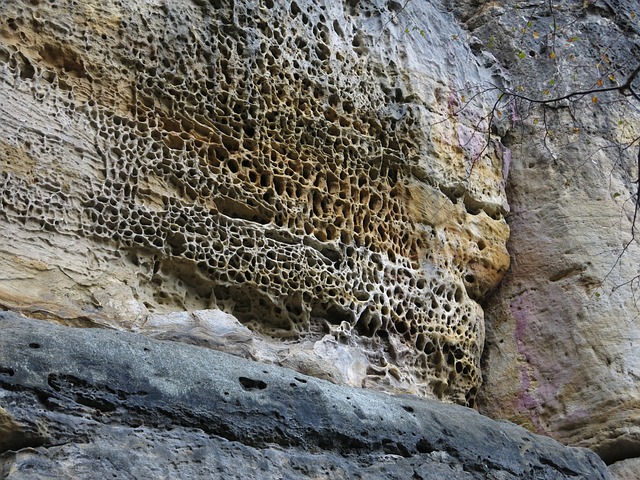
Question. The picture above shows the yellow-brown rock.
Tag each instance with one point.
(293, 164)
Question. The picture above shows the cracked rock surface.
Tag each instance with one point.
(94, 403)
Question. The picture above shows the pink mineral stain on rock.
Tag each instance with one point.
(532, 391)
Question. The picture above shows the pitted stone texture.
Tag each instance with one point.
(562, 351)
(294, 164)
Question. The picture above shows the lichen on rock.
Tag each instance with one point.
(291, 163)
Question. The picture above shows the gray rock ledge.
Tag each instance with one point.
(93, 403)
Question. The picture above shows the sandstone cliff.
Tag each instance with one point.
(322, 186)
(562, 352)
(292, 164)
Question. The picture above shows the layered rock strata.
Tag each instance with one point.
(142, 408)
(298, 165)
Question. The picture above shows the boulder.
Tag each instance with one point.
(96, 403)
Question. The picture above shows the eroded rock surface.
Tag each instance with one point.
(142, 408)
(292, 163)
(562, 351)
(626, 469)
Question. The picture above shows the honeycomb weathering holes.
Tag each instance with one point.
(256, 160)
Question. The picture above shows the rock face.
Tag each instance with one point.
(561, 355)
(143, 408)
(626, 469)
(320, 185)
(294, 164)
